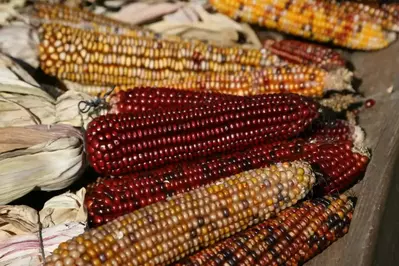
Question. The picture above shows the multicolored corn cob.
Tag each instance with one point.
(304, 53)
(380, 16)
(90, 57)
(78, 17)
(295, 236)
(338, 162)
(323, 21)
(124, 143)
(165, 232)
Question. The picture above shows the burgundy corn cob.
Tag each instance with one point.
(109, 198)
(124, 143)
(335, 130)
(306, 53)
(145, 99)
(295, 236)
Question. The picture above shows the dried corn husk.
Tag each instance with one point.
(61, 209)
(8, 9)
(38, 157)
(17, 220)
(67, 207)
(27, 249)
(193, 22)
(20, 41)
(23, 102)
(62, 217)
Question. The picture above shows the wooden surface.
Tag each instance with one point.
(373, 238)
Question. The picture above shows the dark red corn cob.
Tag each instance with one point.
(109, 198)
(306, 53)
(335, 130)
(151, 99)
(125, 143)
(295, 236)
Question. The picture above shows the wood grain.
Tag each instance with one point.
(374, 233)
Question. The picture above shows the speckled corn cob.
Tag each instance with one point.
(166, 231)
(303, 80)
(94, 58)
(295, 236)
(380, 16)
(318, 20)
(83, 18)
(110, 197)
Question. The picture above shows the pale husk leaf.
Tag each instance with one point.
(17, 220)
(26, 249)
(64, 208)
(38, 157)
(67, 109)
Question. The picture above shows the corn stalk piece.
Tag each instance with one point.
(166, 231)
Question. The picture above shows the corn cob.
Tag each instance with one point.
(380, 16)
(109, 198)
(295, 236)
(80, 17)
(335, 130)
(303, 80)
(90, 57)
(322, 21)
(166, 231)
(149, 99)
(306, 53)
(123, 143)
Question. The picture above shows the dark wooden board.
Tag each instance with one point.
(373, 238)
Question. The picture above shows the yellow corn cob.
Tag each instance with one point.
(80, 17)
(318, 20)
(90, 57)
(164, 232)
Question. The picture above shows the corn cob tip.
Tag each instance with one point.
(391, 36)
(338, 80)
(358, 135)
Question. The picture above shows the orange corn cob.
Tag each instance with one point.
(323, 21)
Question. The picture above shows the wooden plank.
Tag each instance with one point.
(374, 231)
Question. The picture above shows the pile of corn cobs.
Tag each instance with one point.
(212, 155)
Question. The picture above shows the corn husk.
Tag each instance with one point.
(9, 10)
(23, 102)
(62, 217)
(17, 220)
(64, 208)
(20, 40)
(27, 249)
(193, 22)
(38, 157)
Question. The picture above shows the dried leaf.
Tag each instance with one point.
(17, 220)
(140, 12)
(8, 10)
(193, 22)
(26, 249)
(64, 208)
(42, 157)
(20, 41)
